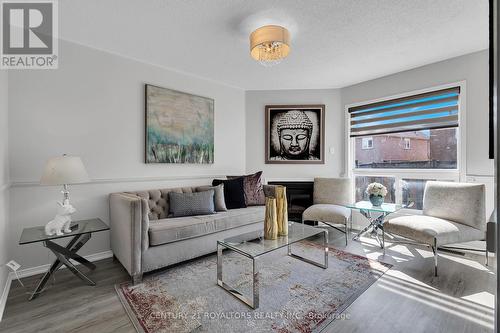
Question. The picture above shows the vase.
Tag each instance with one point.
(281, 210)
(270, 220)
(376, 200)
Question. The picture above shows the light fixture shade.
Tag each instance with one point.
(64, 170)
(270, 44)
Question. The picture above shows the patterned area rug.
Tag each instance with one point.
(294, 296)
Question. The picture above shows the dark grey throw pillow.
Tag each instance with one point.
(220, 205)
(189, 204)
(234, 196)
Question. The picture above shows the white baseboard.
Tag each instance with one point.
(39, 270)
(43, 268)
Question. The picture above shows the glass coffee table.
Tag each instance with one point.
(376, 216)
(253, 245)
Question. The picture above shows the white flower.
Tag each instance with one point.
(376, 189)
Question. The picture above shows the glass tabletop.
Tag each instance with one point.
(367, 206)
(253, 244)
(37, 234)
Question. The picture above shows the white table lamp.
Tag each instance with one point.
(64, 170)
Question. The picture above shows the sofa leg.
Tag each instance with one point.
(136, 278)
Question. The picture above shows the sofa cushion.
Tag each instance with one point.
(158, 206)
(189, 204)
(220, 204)
(253, 188)
(234, 195)
(424, 229)
(175, 229)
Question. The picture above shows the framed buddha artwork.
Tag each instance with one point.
(295, 134)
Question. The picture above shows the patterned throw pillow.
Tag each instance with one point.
(189, 204)
(254, 190)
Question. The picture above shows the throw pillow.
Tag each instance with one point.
(220, 205)
(234, 195)
(188, 204)
(254, 190)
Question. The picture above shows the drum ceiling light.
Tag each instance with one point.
(270, 44)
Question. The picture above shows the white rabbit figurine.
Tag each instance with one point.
(61, 223)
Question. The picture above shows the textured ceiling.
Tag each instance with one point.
(335, 43)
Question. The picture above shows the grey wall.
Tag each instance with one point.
(334, 132)
(4, 180)
(473, 68)
(93, 107)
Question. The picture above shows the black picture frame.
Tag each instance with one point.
(316, 142)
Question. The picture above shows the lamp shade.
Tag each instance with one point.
(270, 44)
(64, 170)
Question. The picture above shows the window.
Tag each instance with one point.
(407, 143)
(424, 149)
(417, 139)
(363, 181)
(367, 143)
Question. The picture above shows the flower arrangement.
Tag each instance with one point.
(376, 189)
(377, 193)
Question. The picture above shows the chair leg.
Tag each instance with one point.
(487, 257)
(383, 238)
(435, 250)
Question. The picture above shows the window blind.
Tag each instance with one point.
(436, 109)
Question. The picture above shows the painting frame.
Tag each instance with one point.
(147, 124)
(270, 153)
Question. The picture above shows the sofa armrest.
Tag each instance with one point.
(269, 190)
(129, 224)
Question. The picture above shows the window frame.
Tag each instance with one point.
(407, 143)
(368, 139)
(457, 175)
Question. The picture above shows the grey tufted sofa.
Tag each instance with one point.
(145, 238)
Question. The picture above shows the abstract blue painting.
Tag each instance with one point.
(179, 127)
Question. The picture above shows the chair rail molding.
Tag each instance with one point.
(122, 180)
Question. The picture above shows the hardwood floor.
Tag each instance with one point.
(406, 299)
(69, 305)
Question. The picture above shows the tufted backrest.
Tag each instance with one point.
(459, 202)
(157, 200)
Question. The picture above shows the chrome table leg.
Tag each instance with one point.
(254, 301)
(63, 256)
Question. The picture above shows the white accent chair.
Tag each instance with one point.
(329, 197)
(452, 213)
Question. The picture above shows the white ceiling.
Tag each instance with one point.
(335, 43)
